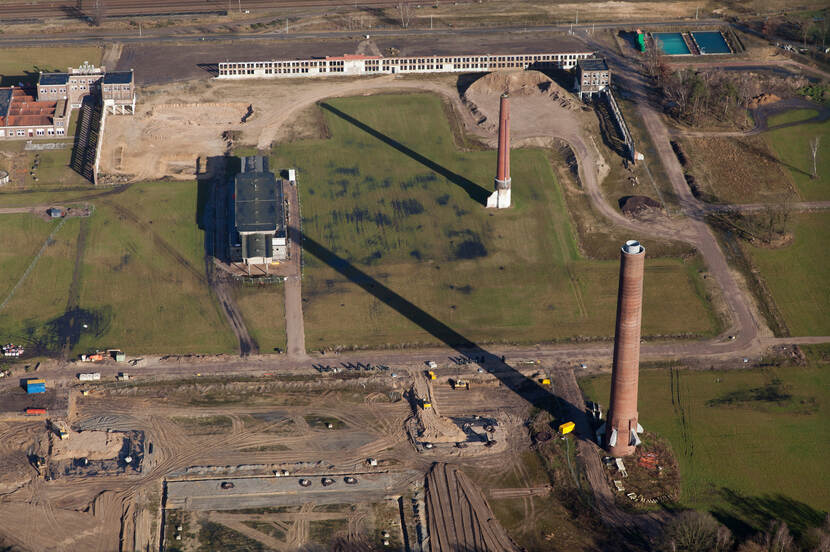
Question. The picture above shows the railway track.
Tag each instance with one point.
(127, 8)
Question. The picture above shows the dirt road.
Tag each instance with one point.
(294, 325)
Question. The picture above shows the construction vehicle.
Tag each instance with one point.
(566, 428)
(427, 405)
(545, 381)
(97, 356)
(461, 384)
(432, 365)
(431, 375)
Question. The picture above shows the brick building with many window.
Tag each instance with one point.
(24, 115)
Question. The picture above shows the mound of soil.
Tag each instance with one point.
(632, 206)
(762, 99)
(530, 89)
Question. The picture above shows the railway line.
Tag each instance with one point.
(129, 8)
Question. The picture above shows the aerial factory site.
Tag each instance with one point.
(445, 276)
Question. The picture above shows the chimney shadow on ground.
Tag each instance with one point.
(476, 192)
(527, 388)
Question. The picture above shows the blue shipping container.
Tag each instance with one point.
(36, 388)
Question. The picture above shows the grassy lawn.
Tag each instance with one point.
(140, 281)
(750, 443)
(391, 201)
(147, 275)
(53, 170)
(24, 64)
(263, 309)
(21, 237)
(798, 275)
(793, 149)
(34, 312)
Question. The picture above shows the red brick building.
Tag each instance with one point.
(24, 115)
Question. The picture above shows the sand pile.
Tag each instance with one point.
(526, 88)
(762, 99)
(95, 445)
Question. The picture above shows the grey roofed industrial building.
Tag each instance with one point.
(258, 203)
(53, 79)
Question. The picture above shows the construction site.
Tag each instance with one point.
(403, 383)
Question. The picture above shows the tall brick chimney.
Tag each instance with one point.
(622, 427)
(500, 199)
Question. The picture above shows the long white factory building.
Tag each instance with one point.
(374, 65)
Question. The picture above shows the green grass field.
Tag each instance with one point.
(391, 196)
(147, 275)
(21, 236)
(750, 443)
(139, 283)
(263, 310)
(798, 275)
(33, 313)
(793, 149)
(24, 64)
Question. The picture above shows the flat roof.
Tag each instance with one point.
(119, 77)
(593, 65)
(258, 203)
(53, 79)
(5, 101)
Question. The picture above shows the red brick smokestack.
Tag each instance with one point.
(500, 199)
(503, 171)
(622, 427)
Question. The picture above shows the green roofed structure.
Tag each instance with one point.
(257, 236)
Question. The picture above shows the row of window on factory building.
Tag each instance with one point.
(436, 63)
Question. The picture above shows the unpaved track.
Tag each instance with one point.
(458, 515)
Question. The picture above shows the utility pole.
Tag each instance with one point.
(139, 30)
(577, 16)
(430, 22)
(696, 9)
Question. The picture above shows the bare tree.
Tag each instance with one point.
(814, 144)
(693, 531)
(405, 13)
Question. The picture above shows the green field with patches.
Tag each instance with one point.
(750, 443)
(391, 202)
(130, 276)
(25, 64)
(792, 144)
(263, 310)
(798, 275)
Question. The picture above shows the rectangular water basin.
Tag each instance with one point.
(671, 44)
(711, 42)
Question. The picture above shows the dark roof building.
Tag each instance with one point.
(53, 79)
(5, 102)
(258, 212)
(119, 77)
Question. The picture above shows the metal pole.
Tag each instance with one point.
(577, 16)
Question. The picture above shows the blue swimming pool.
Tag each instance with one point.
(711, 42)
(671, 44)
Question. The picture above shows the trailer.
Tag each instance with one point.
(35, 411)
(96, 376)
(35, 386)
